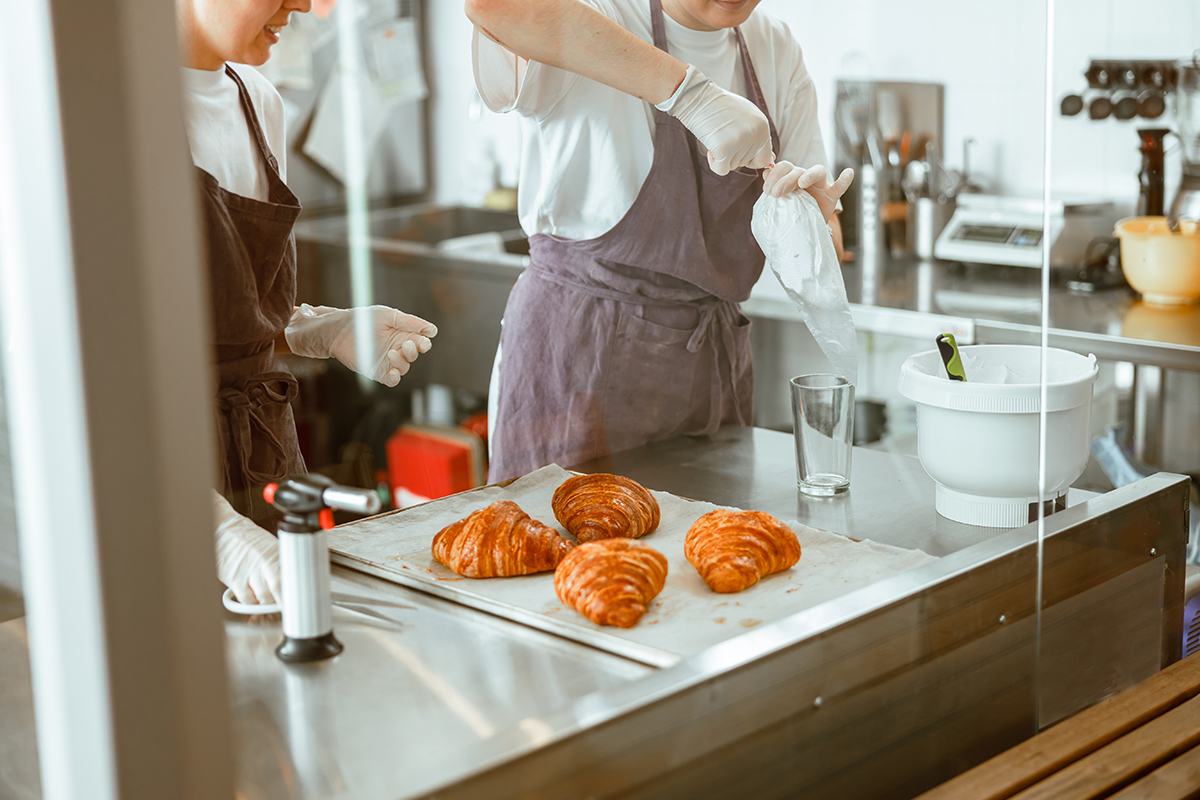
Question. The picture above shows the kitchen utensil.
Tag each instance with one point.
(1163, 266)
(948, 349)
(968, 185)
(916, 180)
(823, 415)
(979, 441)
(307, 503)
(347, 600)
(926, 219)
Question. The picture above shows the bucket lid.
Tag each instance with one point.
(1001, 378)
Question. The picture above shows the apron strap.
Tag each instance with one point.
(279, 191)
(260, 138)
(657, 24)
(754, 92)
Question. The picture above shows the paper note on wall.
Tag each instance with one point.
(326, 142)
(394, 56)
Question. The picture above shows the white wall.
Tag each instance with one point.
(989, 55)
(464, 135)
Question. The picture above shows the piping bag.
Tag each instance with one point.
(795, 239)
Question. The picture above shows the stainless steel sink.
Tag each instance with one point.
(452, 265)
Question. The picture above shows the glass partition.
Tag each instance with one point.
(1118, 172)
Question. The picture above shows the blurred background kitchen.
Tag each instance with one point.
(940, 107)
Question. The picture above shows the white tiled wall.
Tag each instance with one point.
(989, 54)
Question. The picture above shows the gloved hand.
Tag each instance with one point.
(785, 178)
(735, 132)
(247, 556)
(323, 332)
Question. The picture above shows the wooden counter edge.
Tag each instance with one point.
(1027, 763)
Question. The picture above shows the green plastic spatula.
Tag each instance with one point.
(950, 357)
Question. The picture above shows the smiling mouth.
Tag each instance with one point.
(275, 29)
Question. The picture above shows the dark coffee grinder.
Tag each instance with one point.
(307, 503)
(1152, 176)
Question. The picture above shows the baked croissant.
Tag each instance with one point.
(733, 549)
(499, 541)
(612, 581)
(603, 506)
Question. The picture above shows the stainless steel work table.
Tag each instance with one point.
(880, 693)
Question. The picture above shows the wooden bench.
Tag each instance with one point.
(1141, 743)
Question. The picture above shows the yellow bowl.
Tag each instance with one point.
(1163, 266)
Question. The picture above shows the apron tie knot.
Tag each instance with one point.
(708, 316)
(246, 411)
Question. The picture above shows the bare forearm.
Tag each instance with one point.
(570, 35)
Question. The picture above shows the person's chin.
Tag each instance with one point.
(730, 14)
(257, 56)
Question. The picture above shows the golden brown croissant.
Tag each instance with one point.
(498, 542)
(603, 506)
(612, 581)
(733, 549)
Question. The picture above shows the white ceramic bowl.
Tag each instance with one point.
(979, 440)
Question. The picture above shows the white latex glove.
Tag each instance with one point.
(323, 332)
(735, 132)
(785, 178)
(247, 556)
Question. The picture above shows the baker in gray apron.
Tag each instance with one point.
(636, 335)
(252, 283)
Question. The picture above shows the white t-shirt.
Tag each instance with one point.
(587, 148)
(219, 133)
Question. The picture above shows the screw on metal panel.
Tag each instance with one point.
(1003, 618)
(817, 702)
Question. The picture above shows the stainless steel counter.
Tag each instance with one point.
(881, 693)
(890, 498)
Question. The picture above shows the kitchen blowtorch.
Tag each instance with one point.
(307, 503)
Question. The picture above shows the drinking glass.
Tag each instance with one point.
(823, 415)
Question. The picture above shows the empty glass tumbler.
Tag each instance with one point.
(823, 415)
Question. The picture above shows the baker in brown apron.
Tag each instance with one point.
(636, 335)
(252, 282)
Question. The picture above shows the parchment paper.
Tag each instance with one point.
(686, 616)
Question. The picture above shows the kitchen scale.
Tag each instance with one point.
(991, 229)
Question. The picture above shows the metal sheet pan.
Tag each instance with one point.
(686, 617)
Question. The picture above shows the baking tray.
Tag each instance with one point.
(684, 619)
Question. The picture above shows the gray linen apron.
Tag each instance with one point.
(252, 290)
(636, 335)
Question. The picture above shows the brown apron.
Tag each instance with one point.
(636, 335)
(252, 285)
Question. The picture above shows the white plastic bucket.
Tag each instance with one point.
(978, 439)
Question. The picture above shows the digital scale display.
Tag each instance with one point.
(1000, 234)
